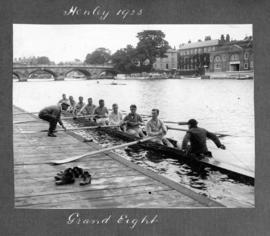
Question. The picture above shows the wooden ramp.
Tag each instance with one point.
(116, 182)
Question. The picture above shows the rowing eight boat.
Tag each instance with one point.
(234, 172)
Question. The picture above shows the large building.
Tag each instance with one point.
(233, 56)
(213, 56)
(193, 57)
(167, 63)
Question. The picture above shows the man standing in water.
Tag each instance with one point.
(156, 127)
(197, 137)
(52, 114)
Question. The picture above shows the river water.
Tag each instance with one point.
(225, 106)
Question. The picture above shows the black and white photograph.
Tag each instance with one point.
(133, 116)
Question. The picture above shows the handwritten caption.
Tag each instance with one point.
(132, 222)
(102, 13)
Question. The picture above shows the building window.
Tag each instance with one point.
(235, 57)
(196, 50)
(167, 66)
(211, 58)
(246, 66)
(251, 64)
(213, 49)
(223, 57)
(246, 55)
(217, 58)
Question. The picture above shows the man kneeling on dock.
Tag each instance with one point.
(156, 127)
(197, 137)
(52, 114)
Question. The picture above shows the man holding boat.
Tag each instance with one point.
(101, 113)
(197, 137)
(155, 127)
(52, 114)
(133, 121)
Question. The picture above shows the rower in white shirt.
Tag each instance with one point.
(115, 117)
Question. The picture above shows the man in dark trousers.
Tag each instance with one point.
(52, 114)
(197, 137)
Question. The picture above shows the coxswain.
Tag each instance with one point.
(101, 113)
(52, 114)
(155, 127)
(133, 121)
(115, 117)
(78, 106)
(197, 137)
(88, 109)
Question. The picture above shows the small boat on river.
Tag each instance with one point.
(234, 172)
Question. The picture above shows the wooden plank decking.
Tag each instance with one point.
(116, 182)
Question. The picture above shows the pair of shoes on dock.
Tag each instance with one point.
(68, 176)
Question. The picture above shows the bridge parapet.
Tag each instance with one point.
(59, 72)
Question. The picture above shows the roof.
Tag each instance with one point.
(199, 44)
(228, 48)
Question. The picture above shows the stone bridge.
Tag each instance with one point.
(59, 72)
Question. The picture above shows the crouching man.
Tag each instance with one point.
(52, 114)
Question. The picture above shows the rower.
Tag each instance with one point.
(79, 106)
(64, 99)
(101, 113)
(156, 127)
(197, 136)
(115, 117)
(133, 122)
(52, 114)
(88, 109)
(72, 104)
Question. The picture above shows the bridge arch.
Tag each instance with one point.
(86, 73)
(107, 73)
(19, 75)
(43, 70)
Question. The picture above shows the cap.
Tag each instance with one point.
(192, 122)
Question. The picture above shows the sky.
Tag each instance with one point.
(69, 42)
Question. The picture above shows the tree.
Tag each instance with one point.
(43, 60)
(99, 56)
(227, 38)
(222, 38)
(207, 38)
(125, 60)
(152, 44)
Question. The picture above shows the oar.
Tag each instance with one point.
(63, 118)
(70, 159)
(71, 129)
(22, 113)
(218, 134)
(175, 122)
